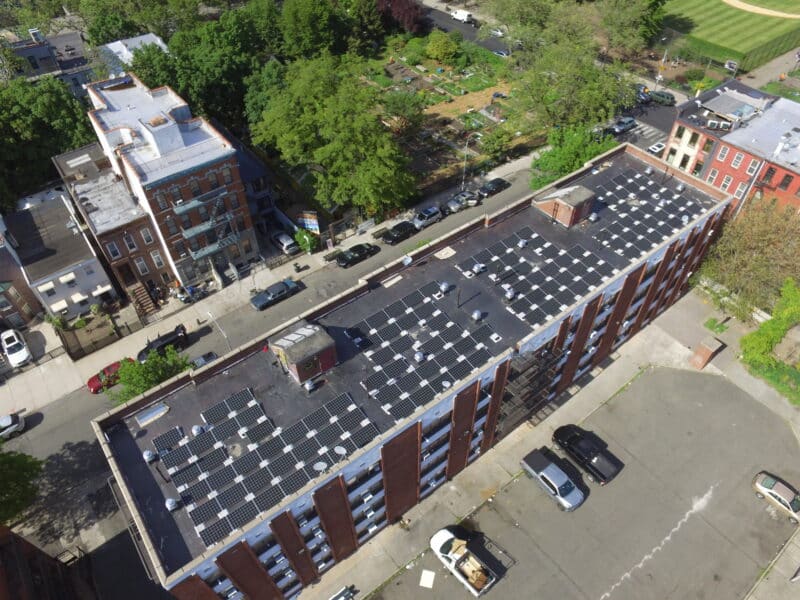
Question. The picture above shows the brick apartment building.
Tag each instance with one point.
(279, 484)
(740, 140)
(18, 304)
(162, 192)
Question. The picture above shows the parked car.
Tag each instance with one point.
(427, 216)
(657, 148)
(778, 494)
(106, 378)
(553, 480)
(400, 232)
(492, 187)
(664, 98)
(274, 294)
(622, 125)
(496, 32)
(285, 243)
(588, 453)
(11, 425)
(176, 338)
(14, 348)
(459, 202)
(203, 360)
(502, 53)
(643, 94)
(356, 254)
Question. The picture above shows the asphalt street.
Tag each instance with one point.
(679, 522)
(441, 20)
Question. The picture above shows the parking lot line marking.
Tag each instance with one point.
(698, 504)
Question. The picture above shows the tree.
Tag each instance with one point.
(19, 473)
(755, 254)
(110, 26)
(307, 241)
(266, 16)
(308, 27)
(408, 14)
(495, 144)
(136, 378)
(570, 148)
(631, 24)
(322, 116)
(153, 66)
(405, 108)
(365, 28)
(38, 121)
(441, 46)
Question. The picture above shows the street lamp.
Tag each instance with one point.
(221, 330)
(464, 170)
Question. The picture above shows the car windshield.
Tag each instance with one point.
(15, 347)
(566, 488)
(769, 482)
(795, 504)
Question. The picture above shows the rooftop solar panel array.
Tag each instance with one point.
(223, 493)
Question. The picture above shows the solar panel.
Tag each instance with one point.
(459, 370)
(388, 332)
(402, 343)
(409, 382)
(446, 357)
(213, 460)
(281, 465)
(396, 369)
(202, 443)
(221, 478)
(216, 413)
(205, 512)
(422, 396)
(383, 356)
(365, 435)
(240, 400)
(376, 380)
(479, 358)
(268, 498)
(168, 440)
(293, 482)
(307, 449)
(222, 431)
(243, 515)
(402, 409)
(271, 448)
(352, 420)
(377, 320)
(429, 289)
(216, 532)
(386, 395)
(257, 481)
(339, 404)
(295, 433)
(258, 432)
(395, 309)
(483, 334)
(407, 322)
(438, 322)
(196, 492)
(424, 311)
(318, 419)
(329, 436)
(176, 457)
(232, 496)
(413, 299)
(428, 369)
(249, 416)
(432, 345)
(186, 476)
(246, 463)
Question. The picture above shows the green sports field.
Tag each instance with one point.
(715, 22)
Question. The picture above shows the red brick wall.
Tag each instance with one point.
(19, 295)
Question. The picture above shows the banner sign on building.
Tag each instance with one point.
(308, 220)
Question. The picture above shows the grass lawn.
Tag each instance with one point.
(473, 120)
(476, 83)
(716, 22)
(454, 88)
(781, 89)
(787, 6)
(381, 79)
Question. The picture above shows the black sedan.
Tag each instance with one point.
(274, 294)
(490, 188)
(400, 232)
(589, 452)
(356, 254)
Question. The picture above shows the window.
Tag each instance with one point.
(740, 189)
(180, 248)
(707, 145)
(171, 227)
(227, 177)
(194, 244)
(130, 243)
(203, 213)
(786, 182)
(726, 183)
(235, 252)
(50, 292)
(684, 162)
(240, 223)
(679, 132)
(4, 303)
(698, 167)
(141, 265)
(723, 154)
(157, 260)
(247, 248)
(693, 139)
(113, 251)
(234, 201)
(211, 237)
(161, 200)
(12, 291)
(751, 168)
(712, 176)
(166, 277)
(26, 309)
(212, 180)
(88, 269)
(768, 175)
(176, 195)
(737, 160)
(146, 235)
(72, 283)
(671, 155)
(194, 186)
(186, 222)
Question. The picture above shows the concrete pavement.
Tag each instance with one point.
(668, 342)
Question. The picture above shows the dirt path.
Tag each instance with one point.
(759, 10)
(461, 104)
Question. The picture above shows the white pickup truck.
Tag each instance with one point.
(467, 568)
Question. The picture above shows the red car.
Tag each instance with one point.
(106, 378)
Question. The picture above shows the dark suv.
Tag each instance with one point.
(177, 338)
(402, 231)
(589, 452)
(492, 187)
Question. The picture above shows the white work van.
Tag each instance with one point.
(463, 16)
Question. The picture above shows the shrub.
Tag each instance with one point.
(694, 74)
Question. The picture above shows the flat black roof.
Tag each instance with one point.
(399, 345)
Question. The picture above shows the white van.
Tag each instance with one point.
(463, 16)
(285, 243)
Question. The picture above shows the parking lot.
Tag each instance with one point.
(680, 521)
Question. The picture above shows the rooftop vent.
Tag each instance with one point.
(149, 456)
(419, 356)
(444, 287)
(477, 315)
(648, 170)
(685, 219)
(680, 188)
(197, 430)
(157, 120)
(593, 217)
(171, 504)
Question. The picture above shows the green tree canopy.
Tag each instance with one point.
(136, 378)
(631, 24)
(441, 46)
(496, 143)
(309, 27)
(406, 108)
(364, 26)
(19, 473)
(322, 116)
(755, 254)
(37, 121)
(570, 148)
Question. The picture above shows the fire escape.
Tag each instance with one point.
(220, 227)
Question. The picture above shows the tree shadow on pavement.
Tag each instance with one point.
(73, 494)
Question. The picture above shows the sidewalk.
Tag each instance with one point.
(762, 75)
(667, 342)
